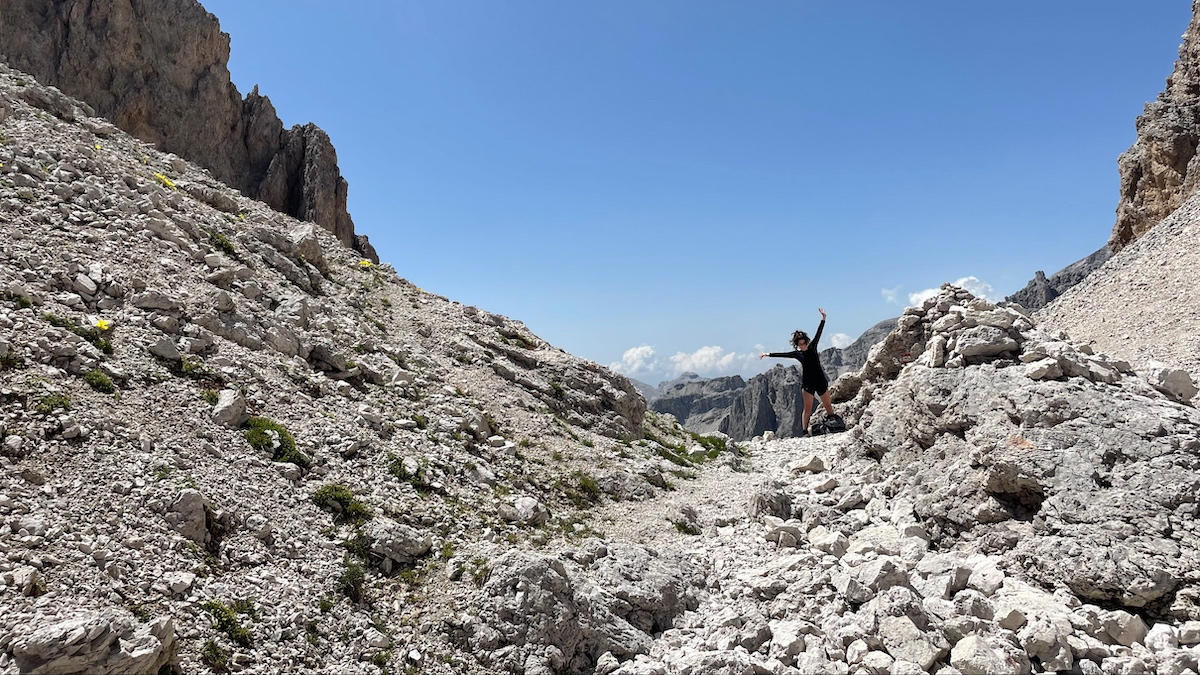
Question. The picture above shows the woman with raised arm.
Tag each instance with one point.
(813, 380)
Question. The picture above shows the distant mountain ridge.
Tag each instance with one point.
(1041, 291)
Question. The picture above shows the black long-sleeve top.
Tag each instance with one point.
(809, 359)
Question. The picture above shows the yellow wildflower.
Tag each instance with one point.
(365, 263)
(103, 324)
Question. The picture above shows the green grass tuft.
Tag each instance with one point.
(266, 435)
(100, 382)
(340, 500)
(226, 621)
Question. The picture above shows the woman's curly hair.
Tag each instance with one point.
(799, 336)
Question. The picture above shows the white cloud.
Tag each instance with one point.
(915, 299)
(978, 288)
(891, 294)
(703, 360)
(841, 340)
(636, 360)
(643, 362)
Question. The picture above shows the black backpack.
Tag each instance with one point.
(830, 425)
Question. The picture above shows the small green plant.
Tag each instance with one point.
(447, 551)
(245, 606)
(92, 335)
(672, 457)
(100, 382)
(226, 621)
(220, 241)
(163, 472)
(580, 488)
(215, 657)
(266, 435)
(13, 360)
(22, 301)
(359, 545)
(381, 659)
(193, 368)
(341, 501)
(421, 420)
(413, 574)
(419, 479)
(587, 443)
(51, 402)
(210, 396)
(352, 582)
(479, 571)
(325, 604)
(559, 392)
(685, 527)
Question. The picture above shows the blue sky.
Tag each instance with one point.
(681, 184)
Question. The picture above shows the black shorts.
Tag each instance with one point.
(816, 388)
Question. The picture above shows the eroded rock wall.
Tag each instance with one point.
(159, 70)
(1160, 170)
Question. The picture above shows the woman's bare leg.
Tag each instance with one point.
(808, 408)
(826, 402)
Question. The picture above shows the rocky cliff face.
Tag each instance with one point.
(159, 70)
(701, 404)
(1162, 167)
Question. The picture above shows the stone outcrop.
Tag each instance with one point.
(838, 361)
(771, 401)
(998, 456)
(1162, 168)
(104, 643)
(1042, 290)
(544, 615)
(159, 71)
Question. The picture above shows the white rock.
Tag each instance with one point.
(1174, 382)
(833, 543)
(1189, 633)
(230, 409)
(904, 640)
(165, 348)
(880, 539)
(1161, 637)
(986, 577)
(1127, 629)
(810, 464)
(178, 582)
(973, 655)
(787, 640)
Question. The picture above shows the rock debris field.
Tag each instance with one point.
(228, 443)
